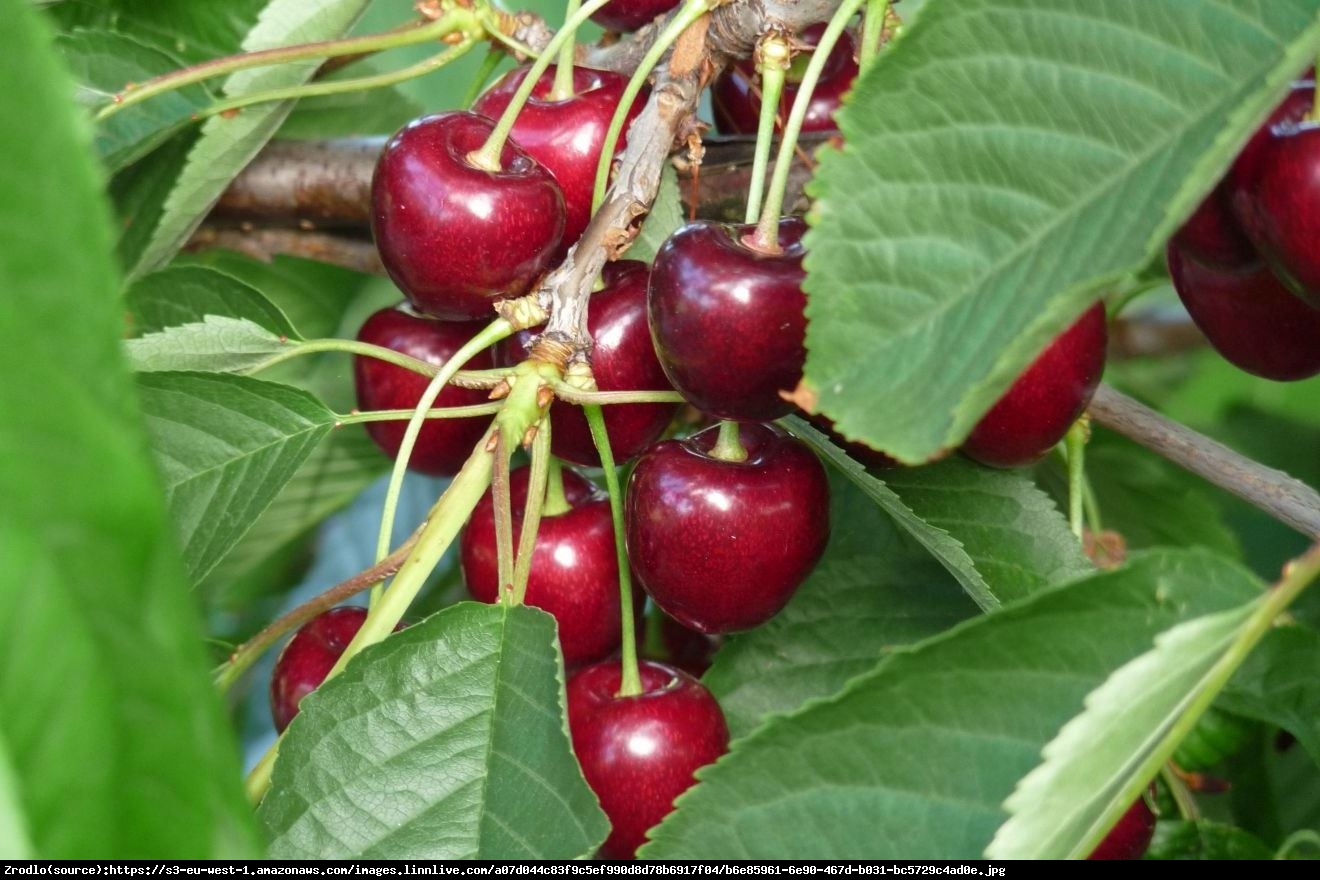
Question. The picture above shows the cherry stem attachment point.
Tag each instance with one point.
(728, 446)
(772, 61)
(562, 88)
(873, 29)
(630, 684)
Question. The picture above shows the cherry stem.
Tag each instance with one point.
(556, 502)
(338, 87)
(487, 156)
(402, 415)
(1074, 444)
(537, 486)
(465, 378)
(492, 333)
(772, 61)
(569, 394)
(1182, 796)
(767, 231)
(562, 89)
(501, 493)
(455, 19)
(682, 20)
(488, 65)
(877, 11)
(630, 684)
(728, 446)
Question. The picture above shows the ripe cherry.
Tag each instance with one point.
(629, 15)
(640, 753)
(722, 545)
(622, 359)
(1130, 836)
(574, 573)
(443, 444)
(455, 237)
(1046, 399)
(727, 317)
(565, 135)
(689, 650)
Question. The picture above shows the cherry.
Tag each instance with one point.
(629, 15)
(308, 657)
(574, 573)
(1249, 317)
(1130, 836)
(567, 135)
(443, 444)
(727, 318)
(722, 545)
(456, 237)
(622, 359)
(1046, 399)
(736, 96)
(689, 650)
(640, 753)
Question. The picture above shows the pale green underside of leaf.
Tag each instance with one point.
(447, 741)
(14, 843)
(914, 759)
(665, 217)
(1280, 684)
(215, 345)
(179, 295)
(1001, 161)
(225, 445)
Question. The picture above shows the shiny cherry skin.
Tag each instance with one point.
(1130, 837)
(622, 359)
(567, 135)
(728, 319)
(1250, 317)
(454, 237)
(640, 753)
(1046, 399)
(308, 657)
(689, 650)
(736, 95)
(628, 15)
(575, 571)
(443, 444)
(721, 546)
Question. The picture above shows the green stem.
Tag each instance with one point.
(400, 415)
(569, 394)
(469, 378)
(487, 156)
(690, 12)
(728, 447)
(1074, 443)
(563, 85)
(488, 65)
(1187, 807)
(337, 87)
(1092, 503)
(872, 31)
(631, 682)
(455, 19)
(537, 485)
(556, 502)
(767, 233)
(501, 495)
(773, 57)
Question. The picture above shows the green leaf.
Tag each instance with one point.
(870, 595)
(1206, 841)
(225, 145)
(225, 446)
(195, 31)
(1001, 162)
(666, 216)
(1280, 684)
(914, 759)
(458, 723)
(352, 114)
(1102, 760)
(215, 344)
(109, 723)
(181, 295)
(14, 843)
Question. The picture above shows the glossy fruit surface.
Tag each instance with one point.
(1250, 318)
(1130, 836)
(1046, 399)
(443, 444)
(727, 319)
(629, 15)
(454, 237)
(721, 546)
(622, 359)
(1213, 235)
(639, 753)
(574, 574)
(567, 135)
(736, 95)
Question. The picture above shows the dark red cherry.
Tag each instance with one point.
(736, 95)
(443, 444)
(727, 318)
(689, 650)
(566, 136)
(1250, 318)
(1213, 235)
(629, 15)
(1042, 404)
(721, 546)
(308, 657)
(1130, 836)
(640, 753)
(575, 571)
(622, 359)
(454, 237)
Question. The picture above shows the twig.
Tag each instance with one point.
(1286, 499)
(266, 244)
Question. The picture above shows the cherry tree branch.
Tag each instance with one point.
(1286, 499)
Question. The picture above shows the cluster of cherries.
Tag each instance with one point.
(721, 526)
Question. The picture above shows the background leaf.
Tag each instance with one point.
(182, 295)
(352, 114)
(110, 722)
(666, 216)
(457, 722)
(1002, 160)
(214, 344)
(1205, 841)
(1280, 684)
(14, 843)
